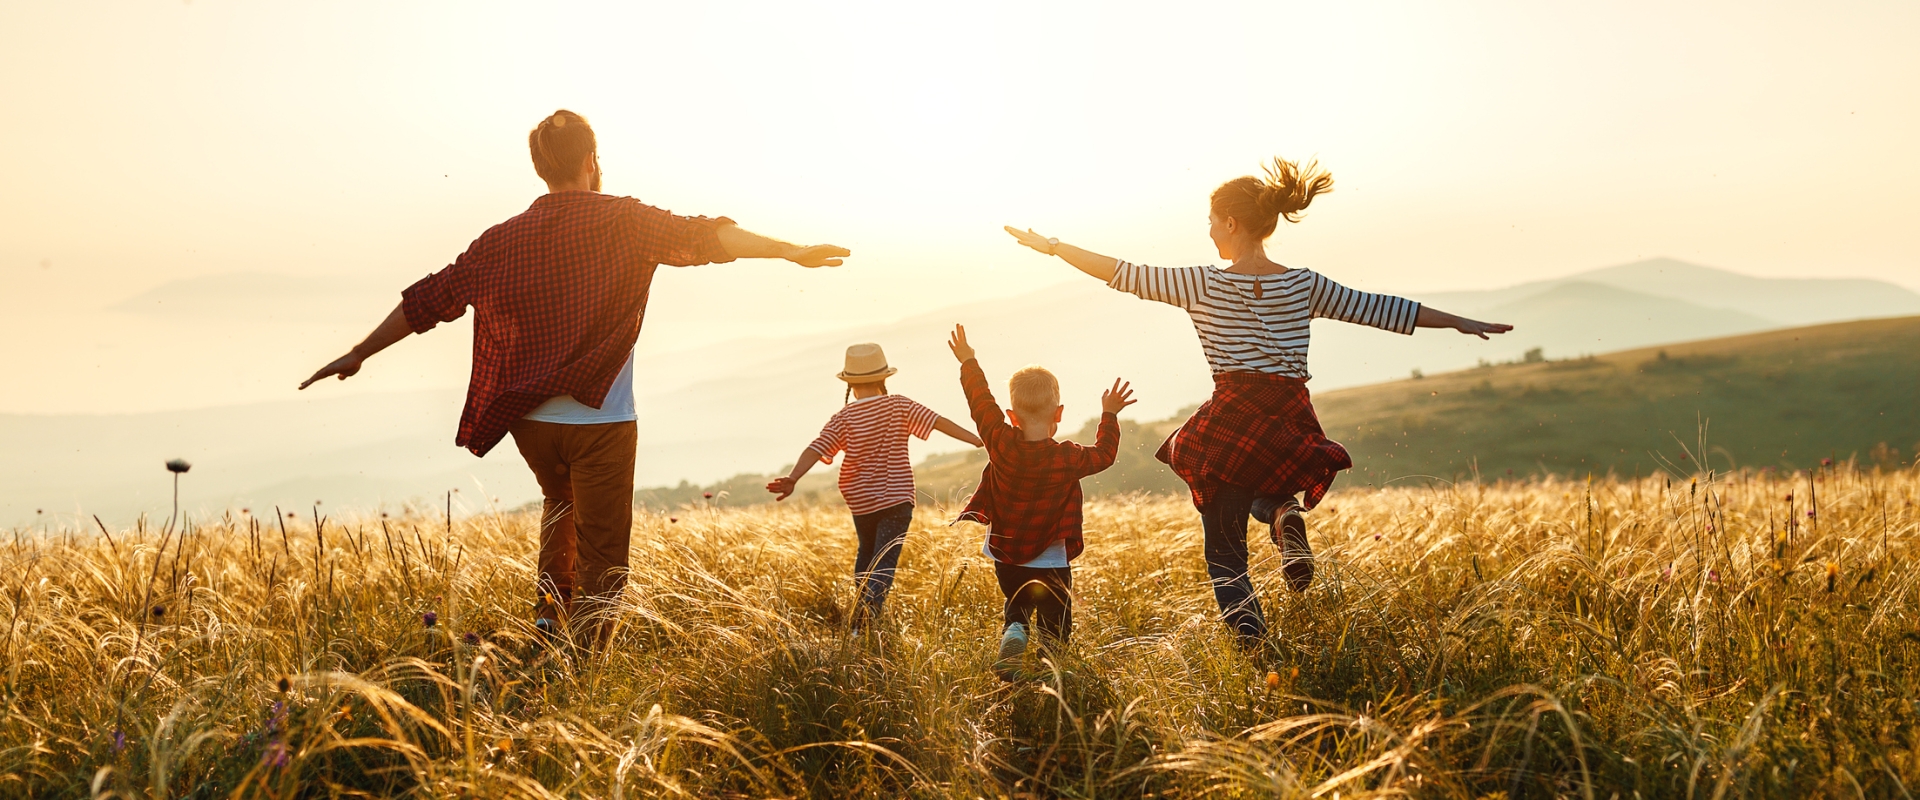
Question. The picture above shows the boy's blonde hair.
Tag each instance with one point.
(1035, 392)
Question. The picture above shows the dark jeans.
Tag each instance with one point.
(1051, 601)
(882, 535)
(1225, 524)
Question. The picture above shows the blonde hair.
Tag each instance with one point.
(1034, 391)
(1258, 204)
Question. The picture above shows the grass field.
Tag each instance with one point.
(1743, 634)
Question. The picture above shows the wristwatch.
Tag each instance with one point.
(1053, 247)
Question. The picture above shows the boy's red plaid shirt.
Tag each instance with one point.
(1029, 493)
(559, 293)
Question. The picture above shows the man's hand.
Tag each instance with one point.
(782, 486)
(958, 344)
(819, 255)
(343, 368)
(1117, 398)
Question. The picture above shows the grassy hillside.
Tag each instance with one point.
(1783, 398)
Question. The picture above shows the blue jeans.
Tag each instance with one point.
(1225, 525)
(882, 535)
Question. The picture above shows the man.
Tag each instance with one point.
(559, 293)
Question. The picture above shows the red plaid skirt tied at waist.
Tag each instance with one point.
(1258, 431)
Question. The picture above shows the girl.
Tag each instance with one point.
(1256, 442)
(877, 477)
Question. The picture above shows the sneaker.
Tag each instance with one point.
(1296, 556)
(1013, 645)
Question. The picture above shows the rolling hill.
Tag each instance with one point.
(1784, 399)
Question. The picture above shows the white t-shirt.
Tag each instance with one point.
(1054, 556)
(618, 406)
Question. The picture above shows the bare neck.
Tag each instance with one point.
(1252, 260)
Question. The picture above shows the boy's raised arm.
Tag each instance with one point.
(980, 403)
(1106, 443)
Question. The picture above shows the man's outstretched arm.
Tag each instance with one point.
(742, 243)
(390, 330)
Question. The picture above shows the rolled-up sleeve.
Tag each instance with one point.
(667, 238)
(440, 297)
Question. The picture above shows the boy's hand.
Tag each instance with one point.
(781, 486)
(958, 344)
(1117, 398)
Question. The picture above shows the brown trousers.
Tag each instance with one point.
(586, 521)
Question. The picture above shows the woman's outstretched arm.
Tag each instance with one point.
(1086, 261)
(1431, 317)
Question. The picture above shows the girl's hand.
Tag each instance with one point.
(1027, 237)
(1117, 398)
(782, 487)
(958, 344)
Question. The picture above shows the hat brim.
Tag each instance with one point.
(873, 378)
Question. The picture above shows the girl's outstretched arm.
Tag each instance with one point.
(953, 429)
(784, 486)
(1086, 261)
(1431, 317)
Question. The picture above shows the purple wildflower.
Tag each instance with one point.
(275, 756)
(1713, 576)
(431, 619)
(472, 639)
(1826, 462)
(119, 741)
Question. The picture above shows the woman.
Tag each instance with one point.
(1256, 444)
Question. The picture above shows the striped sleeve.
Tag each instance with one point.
(920, 419)
(833, 438)
(1175, 286)
(1384, 311)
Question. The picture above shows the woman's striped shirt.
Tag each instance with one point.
(1259, 323)
(877, 473)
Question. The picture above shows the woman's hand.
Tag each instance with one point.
(1027, 237)
(782, 486)
(1474, 327)
(1430, 317)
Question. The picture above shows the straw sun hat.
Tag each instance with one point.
(866, 363)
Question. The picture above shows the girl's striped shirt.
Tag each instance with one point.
(877, 473)
(1259, 323)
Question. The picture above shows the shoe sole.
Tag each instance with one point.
(1296, 555)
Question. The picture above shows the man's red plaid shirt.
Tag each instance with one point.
(559, 293)
(1029, 493)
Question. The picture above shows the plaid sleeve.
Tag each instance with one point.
(1384, 311)
(442, 296)
(1182, 286)
(920, 419)
(988, 421)
(1106, 446)
(833, 439)
(677, 241)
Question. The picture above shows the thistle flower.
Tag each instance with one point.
(159, 611)
(1713, 576)
(472, 639)
(1826, 462)
(275, 756)
(673, 519)
(119, 741)
(430, 619)
(285, 684)
(178, 465)
(1667, 573)
(707, 495)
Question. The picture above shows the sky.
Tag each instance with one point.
(345, 149)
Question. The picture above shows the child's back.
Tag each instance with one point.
(877, 472)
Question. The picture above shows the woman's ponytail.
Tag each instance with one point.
(1258, 204)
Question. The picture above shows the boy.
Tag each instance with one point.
(1029, 495)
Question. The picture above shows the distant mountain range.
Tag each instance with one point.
(750, 406)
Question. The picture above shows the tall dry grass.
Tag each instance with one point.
(1667, 638)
